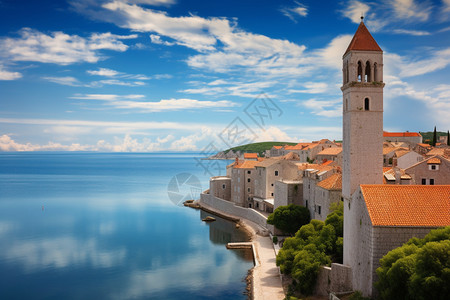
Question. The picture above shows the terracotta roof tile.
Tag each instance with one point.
(408, 205)
(332, 183)
(363, 40)
(330, 151)
(400, 134)
(250, 155)
(434, 160)
(248, 164)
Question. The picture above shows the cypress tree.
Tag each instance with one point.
(433, 143)
(448, 138)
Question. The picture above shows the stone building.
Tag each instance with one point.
(288, 192)
(389, 215)
(267, 172)
(377, 217)
(412, 138)
(242, 182)
(220, 187)
(432, 171)
(330, 154)
(327, 191)
(405, 158)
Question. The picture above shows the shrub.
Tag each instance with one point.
(289, 218)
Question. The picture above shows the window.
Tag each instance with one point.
(431, 181)
(306, 203)
(248, 179)
(276, 173)
(319, 209)
(272, 184)
(223, 186)
(424, 181)
(249, 172)
(248, 190)
(249, 205)
(271, 194)
(366, 104)
(433, 167)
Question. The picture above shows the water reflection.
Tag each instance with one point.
(104, 234)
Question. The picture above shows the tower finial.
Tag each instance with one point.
(362, 17)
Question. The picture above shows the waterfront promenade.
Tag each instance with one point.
(266, 279)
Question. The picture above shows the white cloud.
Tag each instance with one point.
(152, 2)
(312, 88)
(411, 32)
(410, 9)
(60, 48)
(291, 12)
(123, 102)
(67, 80)
(325, 108)
(409, 66)
(222, 46)
(331, 55)
(355, 10)
(104, 72)
(7, 75)
(156, 39)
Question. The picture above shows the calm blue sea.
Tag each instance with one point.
(102, 226)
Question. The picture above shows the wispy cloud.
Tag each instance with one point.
(411, 32)
(66, 80)
(131, 102)
(60, 48)
(325, 108)
(8, 75)
(412, 10)
(293, 12)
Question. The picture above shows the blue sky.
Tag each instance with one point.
(174, 75)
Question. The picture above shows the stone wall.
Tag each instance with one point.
(337, 279)
(238, 211)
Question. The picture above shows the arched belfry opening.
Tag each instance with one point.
(360, 72)
(366, 104)
(367, 72)
(375, 72)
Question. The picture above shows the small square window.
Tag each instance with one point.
(224, 186)
(271, 194)
(249, 172)
(424, 181)
(276, 173)
(431, 181)
(248, 179)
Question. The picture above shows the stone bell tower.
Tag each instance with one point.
(362, 127)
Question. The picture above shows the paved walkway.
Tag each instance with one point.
(266, 278)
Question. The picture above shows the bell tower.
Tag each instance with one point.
(362, 128)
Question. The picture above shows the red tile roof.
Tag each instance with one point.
(363, 40)
(330, 151)
(250, 155)
(400, 134)
(332, 183)
(434, 160)
(408, 205)
(248, 164)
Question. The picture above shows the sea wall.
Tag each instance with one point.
(228, 207)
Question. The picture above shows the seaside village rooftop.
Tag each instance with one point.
(392, 184)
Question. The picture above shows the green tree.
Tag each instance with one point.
(420, 269)
(289, 218)
(448, 138)
(433, 142)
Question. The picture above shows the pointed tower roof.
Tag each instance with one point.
(363, 40)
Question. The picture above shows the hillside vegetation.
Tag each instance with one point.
(429, 135)
(258, 147)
